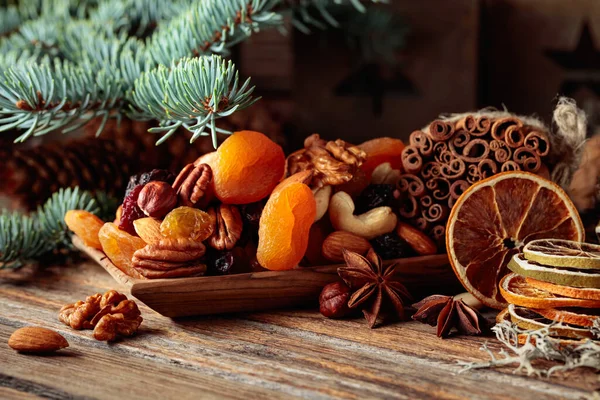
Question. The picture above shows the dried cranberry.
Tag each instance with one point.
(155, 175)
(131, 211)
(219, 262)
(390, 246)
(375, 196)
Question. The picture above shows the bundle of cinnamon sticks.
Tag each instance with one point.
(444, 159)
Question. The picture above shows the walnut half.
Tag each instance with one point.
(334, 162)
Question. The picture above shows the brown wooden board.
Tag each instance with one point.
(260, 290)
(283, 354)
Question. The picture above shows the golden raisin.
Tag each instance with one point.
(187, 223)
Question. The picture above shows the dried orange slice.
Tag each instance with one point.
(583, 278)
(567, 291)
(571, 316)
(494, 218)
(515, 290)
(527, 319)
(563, 253)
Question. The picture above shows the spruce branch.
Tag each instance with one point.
(26, 238)
(191, 94)
(41, 97)
(20, 240)
(210, 26)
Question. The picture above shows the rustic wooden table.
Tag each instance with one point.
(283, 354)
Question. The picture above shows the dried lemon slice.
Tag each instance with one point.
(515, 290)
(589, 278)
(563, 253)
(528, 319)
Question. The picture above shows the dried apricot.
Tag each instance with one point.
(284, 227)
(381, 150)
(148, 229)
(188, 223)
(85, 225)
(247, 167)
(119, 247)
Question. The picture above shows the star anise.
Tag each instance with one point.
(371, 284)
(447, 312)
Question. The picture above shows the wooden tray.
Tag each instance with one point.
(257, 291)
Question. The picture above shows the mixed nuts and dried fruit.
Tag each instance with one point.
(235, 210)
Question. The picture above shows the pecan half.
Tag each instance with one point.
(228, 229)
(192, 183)
(334, 162)
(170, 258)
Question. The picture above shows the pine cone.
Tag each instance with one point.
(33, 174)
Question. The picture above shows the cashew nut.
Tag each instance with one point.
(385, 174)
(369, 225)
(322, 196)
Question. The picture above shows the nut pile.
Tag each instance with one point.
(110, 315)
(240, 210)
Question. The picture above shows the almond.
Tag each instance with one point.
(340, 240)
(420, 242)
(148, 229)
(34, 339)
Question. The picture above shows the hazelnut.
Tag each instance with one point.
(333, 301)
(156, 199)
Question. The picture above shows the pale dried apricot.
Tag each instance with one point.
(247, 167)
(148, 229)
(119, 247)
(284, 227)
(187, 223)
(86, 226)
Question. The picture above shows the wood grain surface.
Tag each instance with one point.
(283, 354)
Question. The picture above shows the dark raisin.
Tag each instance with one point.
(375, 196)
(131, 211)
(390, 246)
(251, 212)
(219, 262)
(155, 175)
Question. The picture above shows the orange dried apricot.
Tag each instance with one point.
(247, 167)
(187, 223)
(119, 247)
(284, 227)
(86, 226)
(381, 150)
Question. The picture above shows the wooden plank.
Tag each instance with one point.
(283, 354)
(260, 290)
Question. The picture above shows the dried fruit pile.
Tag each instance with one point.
(245, 207)
(554, 281)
